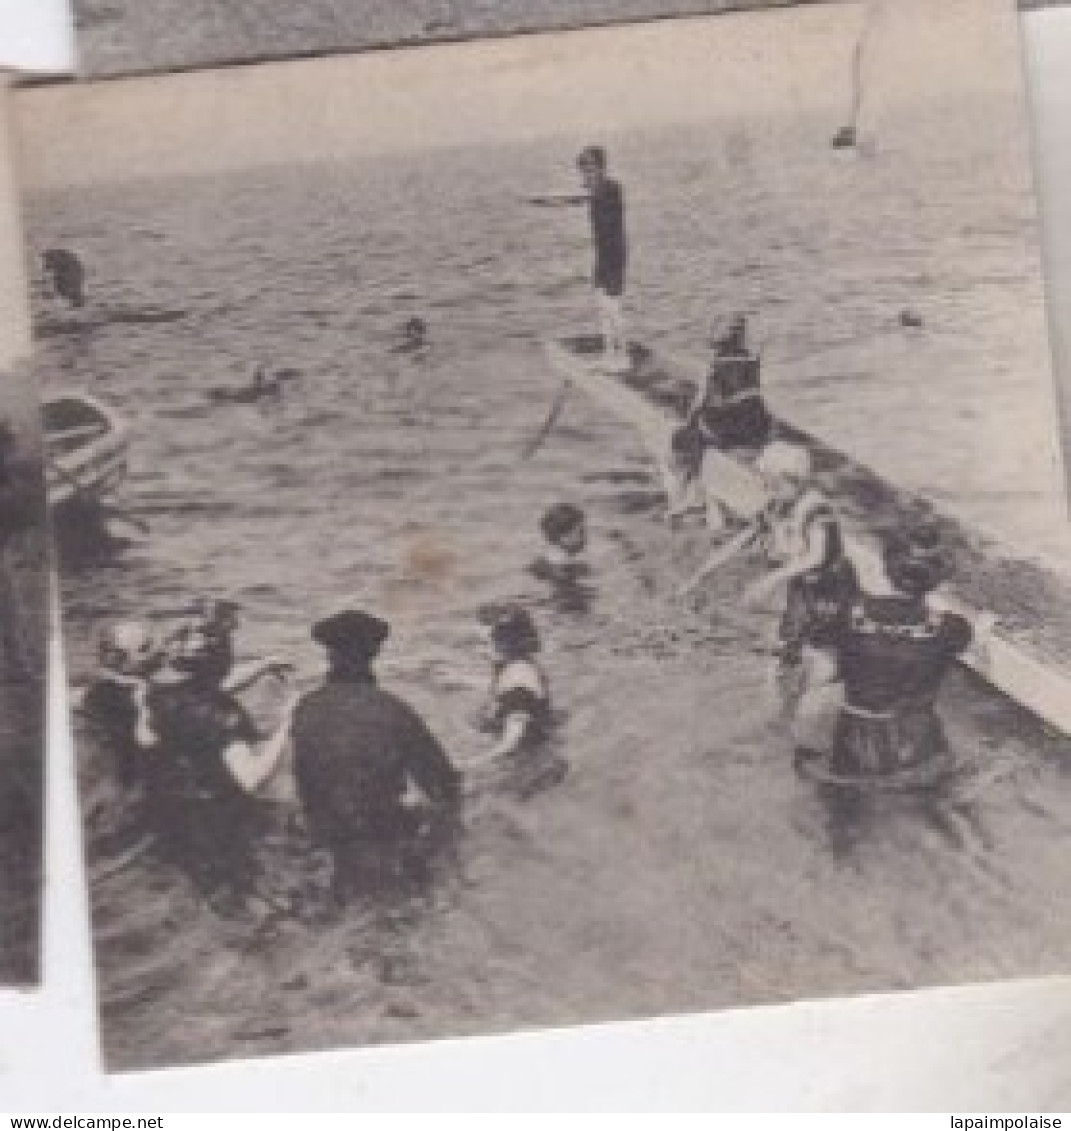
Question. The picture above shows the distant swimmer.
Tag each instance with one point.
(66, 274)
(894, 654)
(519, 713)
(801, 538)
(562, 564)
(911, 319)
(414, 336)
(265, 386)
(606, 209)
(358, 753)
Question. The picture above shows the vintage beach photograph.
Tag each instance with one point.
(582, 540)
(117, 37)
(24, 565)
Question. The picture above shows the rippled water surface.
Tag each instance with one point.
(682, 865)
(116, 36)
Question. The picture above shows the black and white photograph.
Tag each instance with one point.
(123, 37)
(556, 529)
(24, 565)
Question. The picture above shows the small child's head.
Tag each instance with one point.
(592, 165)
(563, 525)
(785, 467)
(914, 559)
(513, 633)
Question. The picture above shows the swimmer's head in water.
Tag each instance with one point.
(415, 330)
(513, 632)
(914, 558)
(128, 647)
(785, 467)
(563, 525)
(67, 273)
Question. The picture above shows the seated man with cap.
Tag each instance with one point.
(357, 751)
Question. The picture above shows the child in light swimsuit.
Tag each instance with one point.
(800, 536)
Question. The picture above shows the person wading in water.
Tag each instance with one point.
(800, 536)
(116, 702)
(519, 713)
(894, 654)
(204, 772)
(358, 750)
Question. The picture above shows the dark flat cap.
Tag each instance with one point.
(351, 630)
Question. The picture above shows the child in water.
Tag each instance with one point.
(800, 536)
(520, 712)
(895, 653)
(562, 564)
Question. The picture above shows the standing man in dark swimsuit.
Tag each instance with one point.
(606, 210)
